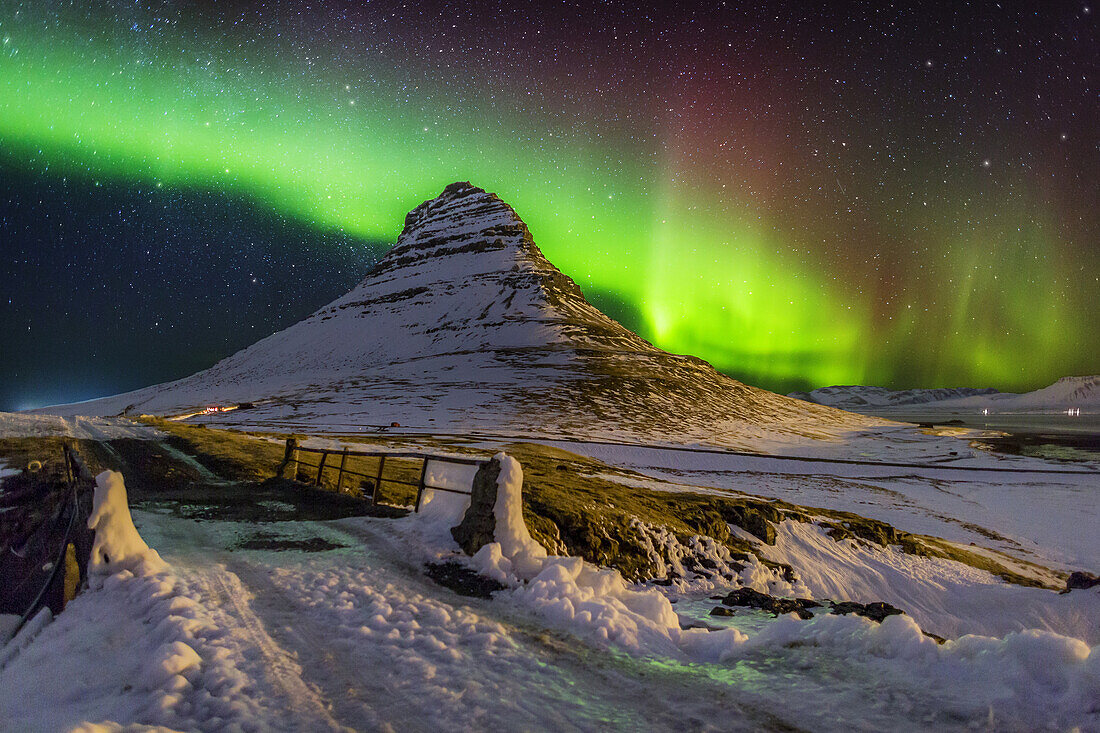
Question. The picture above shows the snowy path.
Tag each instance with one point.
(361, 638)
(21, 424)
(358, 638)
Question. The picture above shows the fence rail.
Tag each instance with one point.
(294, 466)
(79, 480)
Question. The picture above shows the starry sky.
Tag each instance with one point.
(802, 193)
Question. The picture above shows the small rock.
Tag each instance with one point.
(722, 611)
(762, 601)
(1082, 580)
(874, 611)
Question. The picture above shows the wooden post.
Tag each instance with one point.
(69, 462)
(321, 467)
(420, 485)
(340, 476)
(288, 469)
(77, 467)
(378, 481)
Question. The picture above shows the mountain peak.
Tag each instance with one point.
(465, 325)
(463, 219)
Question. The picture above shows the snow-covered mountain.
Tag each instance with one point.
(854, 397)
(1066, 393)
(464, 325)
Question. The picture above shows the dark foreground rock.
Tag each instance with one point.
(462, 580)
(479, 524)
(874, 611)
(1081, 580)
(749, 598)
(755, 599)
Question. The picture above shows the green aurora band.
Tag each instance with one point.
(698, 270)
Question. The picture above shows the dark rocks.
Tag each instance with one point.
(756, 519)
(1082, 580)
(462, 580)
(874, 531)
(722, 611)
(479, 523)
(874, 611)
(764, 602)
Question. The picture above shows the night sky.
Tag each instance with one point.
(802, 193)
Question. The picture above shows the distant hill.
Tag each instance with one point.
(855, 397)
(1069, 392)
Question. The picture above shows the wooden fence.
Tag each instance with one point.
(387, 477)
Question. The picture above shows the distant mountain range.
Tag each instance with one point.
(464, 325)
(1067, 393)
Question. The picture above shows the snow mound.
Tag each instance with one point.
(139, 650)
(118, 545)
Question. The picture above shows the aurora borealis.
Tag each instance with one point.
(800, 193)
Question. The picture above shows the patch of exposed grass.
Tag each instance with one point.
(230, 454)
(570, 507)
(18, 452)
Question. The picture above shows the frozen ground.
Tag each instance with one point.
(1049, 518)
(359, 638)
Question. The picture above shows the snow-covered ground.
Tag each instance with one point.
(219, 638)
(27, 425)
(1049, 518)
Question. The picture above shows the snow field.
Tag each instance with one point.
(25, 425)
(945, 597)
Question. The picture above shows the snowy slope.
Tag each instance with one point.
(464, 325)
(1080, 392)
(1067, 392)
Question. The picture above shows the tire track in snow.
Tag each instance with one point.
(230, 595)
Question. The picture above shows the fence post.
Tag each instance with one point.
(378, 481)
(289, 467)
(420, 485)
(340, 476)
(321, 467)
